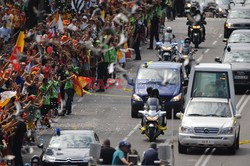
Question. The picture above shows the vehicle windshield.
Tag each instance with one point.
(239, 38)
(211, 84)
(71, 141)
(149, 75)
(214, 109)
(237, 57)
(242, 13)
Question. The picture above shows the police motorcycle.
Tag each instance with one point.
(152, 121)
(167, 48)
(185, 56)
(196, 29)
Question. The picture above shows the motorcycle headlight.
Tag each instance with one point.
(166, 48)
(220, 10)
(149, 118)
(196, 27)
(177, 98)
(229, 25)
(227, 130)
(135, 97)
(49, 158)
(184, 129)
(189, 5)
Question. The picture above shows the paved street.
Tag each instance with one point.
(109, 113)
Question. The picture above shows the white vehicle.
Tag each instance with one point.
(211, 80)
(209, 122)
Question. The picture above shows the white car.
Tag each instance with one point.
(209, 122)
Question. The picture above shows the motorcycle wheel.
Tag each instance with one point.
(196, 45)
(151, 133)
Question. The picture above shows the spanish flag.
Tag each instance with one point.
(79, 83)
(20, 41)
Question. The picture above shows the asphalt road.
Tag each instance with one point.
(108, 114)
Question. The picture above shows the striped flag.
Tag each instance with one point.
(79, 83)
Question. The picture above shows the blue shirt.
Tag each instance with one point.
(117, 156)
(5, 33)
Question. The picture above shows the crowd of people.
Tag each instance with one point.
(46, 45)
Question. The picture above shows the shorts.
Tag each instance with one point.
(45, 110)
(54, 103)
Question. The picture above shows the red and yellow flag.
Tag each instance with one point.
(79, 83)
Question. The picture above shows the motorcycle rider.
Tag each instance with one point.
(153, 102)
(196, 17)
(186, 47)
(169, 35)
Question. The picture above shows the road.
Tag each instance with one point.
(109, 113)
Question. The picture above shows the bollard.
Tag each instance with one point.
(94, 153)
(164, 153)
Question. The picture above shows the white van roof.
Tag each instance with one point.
(213, 66)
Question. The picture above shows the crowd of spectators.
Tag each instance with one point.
(62, 38)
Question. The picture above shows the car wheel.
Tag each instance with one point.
(238, 141)
(232, 149)
(134, 112)
(182, 149)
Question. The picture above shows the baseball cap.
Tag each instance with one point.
(124, 144)
(85, 17)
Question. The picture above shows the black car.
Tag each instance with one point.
(238, 18)
(239, 38)
(239, 58)
(70, 147)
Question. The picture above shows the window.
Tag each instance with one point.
(210, 84)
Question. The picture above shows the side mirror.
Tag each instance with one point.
(41, 145)
(217, 59)
(238, 116)
(179, 115)
(224, 40)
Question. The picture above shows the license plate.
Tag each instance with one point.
(206, 142)
(241, 77)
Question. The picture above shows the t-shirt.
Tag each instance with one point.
(68, 83)
(117, 156)
(54, 92)
(107, 155)
(46, 96)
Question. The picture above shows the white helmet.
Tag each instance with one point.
(169, 30)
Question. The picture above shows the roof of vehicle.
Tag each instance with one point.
(212, 67)
(240, 7)
(201, 99)
(161, 64)
(241, 31)
(240, 48)
(77, 132)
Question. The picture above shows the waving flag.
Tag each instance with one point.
(79, 83)
(77, 5)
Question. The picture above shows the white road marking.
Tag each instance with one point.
(208, 157)
(214, 42)
(241, 100)
(201, 158)
(80, 100)
(220, 35)
(243, 104)
(131, 132)
(206, 51)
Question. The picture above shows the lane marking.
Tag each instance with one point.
(220, 35)
(241, 100)
(244, 142)
(201, 158)
(243, 104)
(80, 100)
(214, 42)
(208, 157)
(130, 133)
(206, 51)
